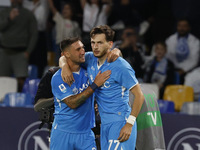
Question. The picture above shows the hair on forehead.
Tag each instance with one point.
(103, 29)
(161, 43)
(66, 43)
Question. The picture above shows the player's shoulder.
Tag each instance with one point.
(120, 62)
(57, 75)
(89, 55)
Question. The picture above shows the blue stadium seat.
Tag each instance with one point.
(32, 71)
(15, 99)
(30, 87)
(166, 106)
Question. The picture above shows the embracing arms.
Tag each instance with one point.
(66, 73)
(76, 100)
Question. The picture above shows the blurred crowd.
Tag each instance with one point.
(159, 38)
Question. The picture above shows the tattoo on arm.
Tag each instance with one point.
(76, 100)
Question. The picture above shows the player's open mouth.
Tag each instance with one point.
(96, 52)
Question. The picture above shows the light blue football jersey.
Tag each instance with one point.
(113, 96)
(79, 120)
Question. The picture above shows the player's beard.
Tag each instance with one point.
(101, 54)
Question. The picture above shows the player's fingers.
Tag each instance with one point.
(107, 72)
(109, 57)
(106, 78)
(73, 78)
(120, 136)
(126, 137)
(68, 82)
(99, 73)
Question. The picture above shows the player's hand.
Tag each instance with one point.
(102, 77)
(125, 132)
(67, 75)
(113, 55)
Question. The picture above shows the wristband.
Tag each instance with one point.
(131, 119)
(93, 86)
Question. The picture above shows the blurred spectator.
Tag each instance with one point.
(123, 10)
(124, 13)
(132, 50)
(19, 35)
(159, 69)
(39, 55)
(95, 12)
(65, 26)
(159, 14)
(190, 10)
(183, 49)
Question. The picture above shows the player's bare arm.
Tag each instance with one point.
(137, 104)
(66, 72)
(76, 100)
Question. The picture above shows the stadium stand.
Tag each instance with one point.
(178, 94)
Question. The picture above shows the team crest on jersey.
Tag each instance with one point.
(93, 68)
(62, 88)
(75, 90)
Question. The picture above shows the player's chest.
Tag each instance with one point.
(93, 71)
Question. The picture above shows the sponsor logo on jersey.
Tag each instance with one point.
(75, 90)
(84, 86)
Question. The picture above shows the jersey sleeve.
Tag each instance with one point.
(88, 58)
(125, 75)
(60, 89)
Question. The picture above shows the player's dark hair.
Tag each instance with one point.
(68, 42)
(103, 29)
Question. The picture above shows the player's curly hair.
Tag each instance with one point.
(103, 29)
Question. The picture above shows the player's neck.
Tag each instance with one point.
(102, 59)
(74, 66)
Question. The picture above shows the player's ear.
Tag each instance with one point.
(66, 54)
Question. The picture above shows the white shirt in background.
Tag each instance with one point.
(65, 28)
